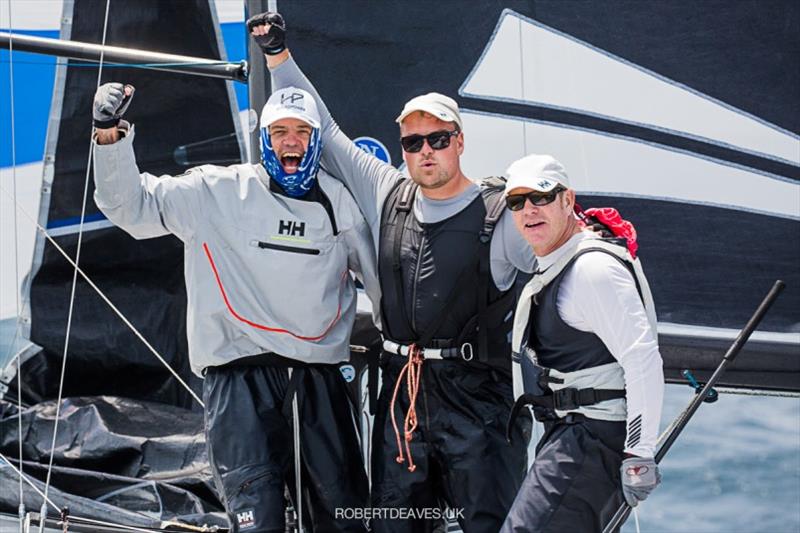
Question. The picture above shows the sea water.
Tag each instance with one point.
(734, 468)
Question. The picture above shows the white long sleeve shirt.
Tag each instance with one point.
(598, 295)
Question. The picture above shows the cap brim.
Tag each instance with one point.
(528, 183)
(431, 110)
(286, 113)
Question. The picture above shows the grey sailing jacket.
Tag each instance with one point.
(264, 272)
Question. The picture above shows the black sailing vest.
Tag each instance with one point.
(438, 272)
(557, 344)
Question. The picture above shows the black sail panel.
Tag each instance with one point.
(708, 266)
(144, 279)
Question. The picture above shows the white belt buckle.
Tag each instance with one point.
(466, 352)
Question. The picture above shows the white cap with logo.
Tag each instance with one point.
(290, 102)
(440, 106)
(542, 173)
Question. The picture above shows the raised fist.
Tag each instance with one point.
(110, 102)
(271, 41)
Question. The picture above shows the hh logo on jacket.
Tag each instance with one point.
(292, 227)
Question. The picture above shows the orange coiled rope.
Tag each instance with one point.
(412, 370)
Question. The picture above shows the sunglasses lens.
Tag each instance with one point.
(412, 143)
(541, 199)
(439, 140)
(515, 201)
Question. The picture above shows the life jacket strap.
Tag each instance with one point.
(566, 399)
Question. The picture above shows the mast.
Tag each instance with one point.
(258, 80)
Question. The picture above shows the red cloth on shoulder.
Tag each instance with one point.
(620, 227)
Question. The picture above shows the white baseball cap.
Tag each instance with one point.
(290, 102)
(440, 106)
(541, 173)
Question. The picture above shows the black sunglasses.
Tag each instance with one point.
(438, 140)
(515, 202)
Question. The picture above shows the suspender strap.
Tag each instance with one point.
(403, 207)
(494, 209)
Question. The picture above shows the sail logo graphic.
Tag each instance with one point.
(676, 156)
(374, 147)
(246, 519)
(292, 227)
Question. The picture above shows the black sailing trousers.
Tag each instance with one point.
(249, 435)
(461, 455)
(574, 482)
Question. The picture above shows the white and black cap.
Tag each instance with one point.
(438, 105)
(541, 173)
(290, 102)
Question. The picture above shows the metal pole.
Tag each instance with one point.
(258, 82)
(677, 426)
(114, 54)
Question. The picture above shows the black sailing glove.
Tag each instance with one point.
(110, 102)
(272, 43)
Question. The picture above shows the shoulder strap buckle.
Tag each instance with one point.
(405, 198)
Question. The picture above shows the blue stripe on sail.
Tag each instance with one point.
(235, 39)
(33, 89)
(34, 75)
(74, 221)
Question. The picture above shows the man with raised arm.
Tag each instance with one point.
(271, 304)
(585, 342)
(447, 261)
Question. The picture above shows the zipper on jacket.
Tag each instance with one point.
(285, 248)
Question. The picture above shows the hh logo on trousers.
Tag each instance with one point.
(246, 519)
(292, 227)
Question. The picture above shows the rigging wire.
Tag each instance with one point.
(23, 477)
(72, 290)
(21, 508)
(105, 298)
(86, 520)
(76, 271)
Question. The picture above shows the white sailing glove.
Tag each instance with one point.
(110, 102)
(640, 476)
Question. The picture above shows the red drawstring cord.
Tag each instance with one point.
(413, 370)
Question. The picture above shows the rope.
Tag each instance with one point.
(23, 477)
(80, 519)
(412, 370)
(21, 507)
(74, 285)
(102, 295)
